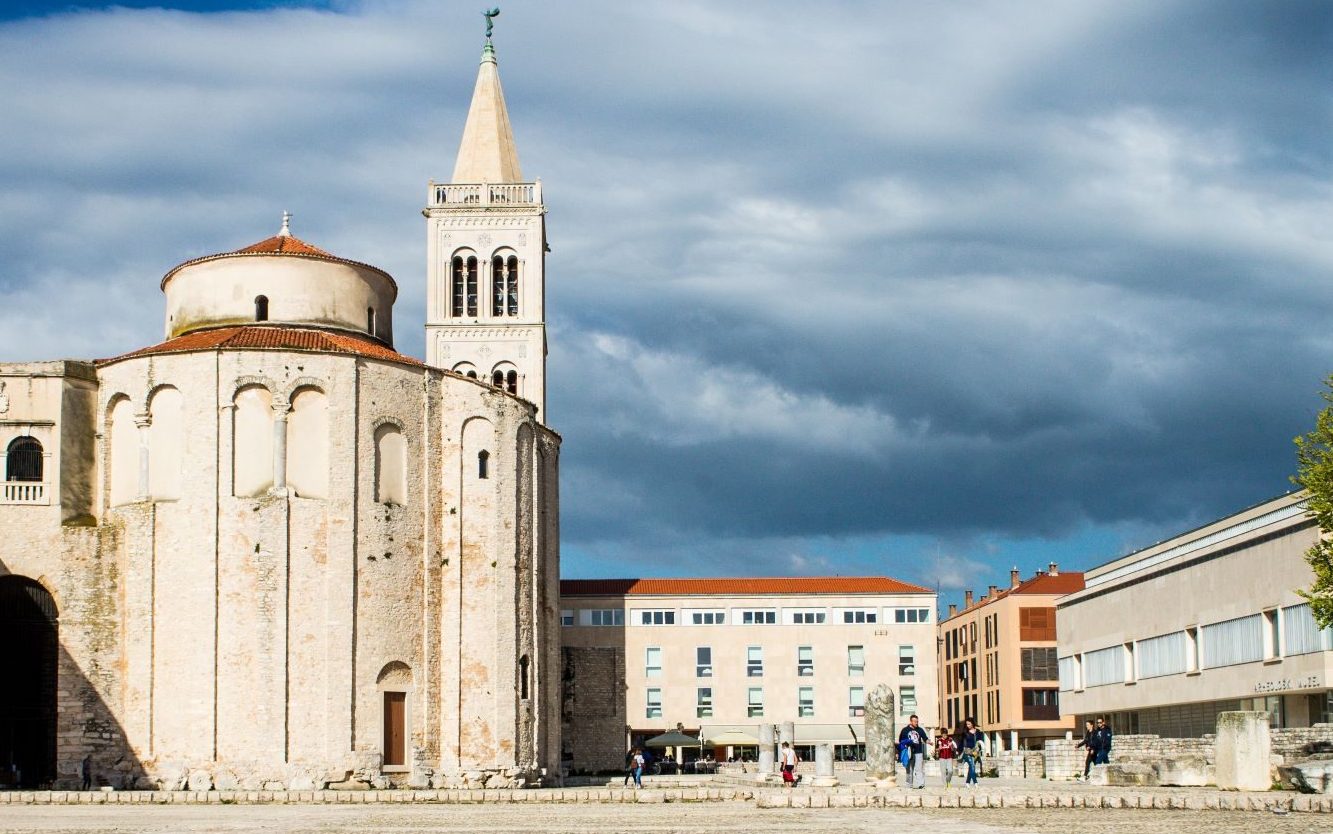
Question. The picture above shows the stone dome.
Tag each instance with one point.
(281, 280)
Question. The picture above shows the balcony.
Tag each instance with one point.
(484, 195)
(1041, 712)
(29, 493)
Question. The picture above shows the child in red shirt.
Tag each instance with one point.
(946, 750)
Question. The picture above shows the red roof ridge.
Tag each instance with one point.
(282, 245)
(740, 585)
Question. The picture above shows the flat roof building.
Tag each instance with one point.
(998, 660)
(714, 656)
(1165, 638)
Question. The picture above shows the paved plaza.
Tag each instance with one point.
(730, 817)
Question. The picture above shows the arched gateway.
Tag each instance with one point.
(28, 660)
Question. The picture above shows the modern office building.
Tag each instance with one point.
(1165, 638)
(998, 660)
(715, 656)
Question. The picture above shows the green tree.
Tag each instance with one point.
(1314, 455)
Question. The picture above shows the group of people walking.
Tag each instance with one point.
(1097, 742)
(965, 747)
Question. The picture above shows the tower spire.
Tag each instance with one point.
(487, 152)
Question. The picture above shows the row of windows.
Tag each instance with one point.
(464, 279)
(754, 701)
(754, 661)
(1268, 635)
(744, 616)
(504, 376)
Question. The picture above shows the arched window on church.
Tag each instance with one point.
(261, 308)
(308, 444)
(23, 460)
(511, 382)
(483, 464)
(123, 437)
(498, 379)
(370, 320)
(166, 444)
(390, 465)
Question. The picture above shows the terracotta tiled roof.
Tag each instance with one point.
(284, 337)
(285, 245)
(738, 586)
(1064, 582)
(280, 245)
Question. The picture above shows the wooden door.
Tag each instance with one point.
(395, 715)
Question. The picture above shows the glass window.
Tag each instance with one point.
(653, 662)
(566, 617)
(805, 702)
(907, 660)
(607, 617)
(1042, 665)
(755, 702)
(654, 709)
(856, 701)
(856, 661)
(708, 617)
(657, 617)
(766, 617)
(703, 662)
(906, 699)
(859, 617)
(1228, 643)
(754, 661)
(703, 703)
(805, 660)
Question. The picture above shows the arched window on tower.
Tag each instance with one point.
(511, 382)
(472, 286)
(261, 308)
(457, 281)
(483, 464)
(511, 290)
(23, 460)
(499, 283)
(498, 379)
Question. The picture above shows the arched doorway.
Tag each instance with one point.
(28, 657)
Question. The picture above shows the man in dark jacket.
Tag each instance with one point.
(914, 739)
(1102, 737)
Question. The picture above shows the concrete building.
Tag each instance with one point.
(273, 552)
(642, 656)
(1165, 638)
(998, 660)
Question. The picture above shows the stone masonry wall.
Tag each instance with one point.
(593, 727)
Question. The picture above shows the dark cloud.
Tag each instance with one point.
(855, 287)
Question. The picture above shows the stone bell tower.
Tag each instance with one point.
(486, 251)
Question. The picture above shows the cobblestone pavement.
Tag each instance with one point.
(637, 819)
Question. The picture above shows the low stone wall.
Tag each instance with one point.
(1020, 764)
(1295, 743)
(1063, 761)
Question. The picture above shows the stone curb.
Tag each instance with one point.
(771, 798)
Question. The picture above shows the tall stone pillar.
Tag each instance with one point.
(1243, 749)
(143, 421)
(881, 737)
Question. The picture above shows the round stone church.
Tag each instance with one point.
(270, 551)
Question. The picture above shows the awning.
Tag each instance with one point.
(731, 738)
(672, 738)
(830, 733)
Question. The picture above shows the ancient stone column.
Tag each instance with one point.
(280, 412)
(787, 733)
(767, 753)
(881, 737)
(143, 421)
(824, 777)
(1243, 749)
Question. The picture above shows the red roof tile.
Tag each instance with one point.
(283, 244)
(256, 337)
(738, 586)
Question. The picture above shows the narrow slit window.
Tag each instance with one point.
(471, 282)
(483, 464)
(261, 308)
(370, 320)
(511, 285)
(457, 280)
(499, 283)
(523, 677)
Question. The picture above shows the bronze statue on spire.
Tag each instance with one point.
(490, 20)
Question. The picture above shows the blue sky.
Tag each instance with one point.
(15, 9)
(919, 289)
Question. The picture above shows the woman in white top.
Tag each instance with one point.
(788, 764)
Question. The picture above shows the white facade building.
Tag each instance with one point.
(1165, 638)
(724, 655)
